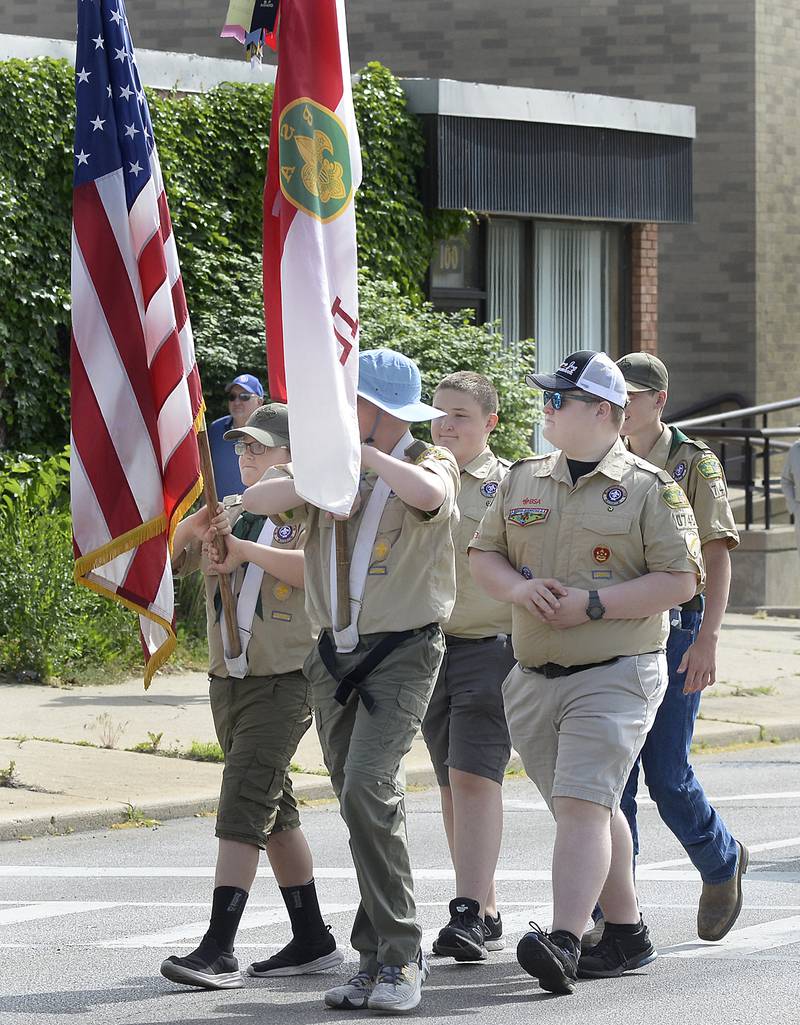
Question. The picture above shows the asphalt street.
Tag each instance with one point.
(86, 919)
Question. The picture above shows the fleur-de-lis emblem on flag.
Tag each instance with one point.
(321, 176)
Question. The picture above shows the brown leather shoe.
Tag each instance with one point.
(720, 903)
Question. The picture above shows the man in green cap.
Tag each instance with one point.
(691, 652)
(261, 705)
(372, 679)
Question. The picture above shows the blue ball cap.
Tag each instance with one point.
(249, 383)
(391, 381)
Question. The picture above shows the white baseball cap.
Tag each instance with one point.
(592, 372)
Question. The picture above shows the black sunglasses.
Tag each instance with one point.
(242, 396)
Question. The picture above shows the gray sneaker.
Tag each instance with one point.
(355, 993)
(399, 987)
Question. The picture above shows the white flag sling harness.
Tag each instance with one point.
(246, 607)
(347, 640)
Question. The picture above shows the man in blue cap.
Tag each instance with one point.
(245, 394)
(373, 679)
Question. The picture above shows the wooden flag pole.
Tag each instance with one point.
(342, 576)
(225, 592)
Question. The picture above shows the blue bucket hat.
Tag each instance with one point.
(391, 381)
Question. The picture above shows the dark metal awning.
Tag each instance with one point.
(554, 154)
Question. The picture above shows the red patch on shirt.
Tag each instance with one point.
(601, 553)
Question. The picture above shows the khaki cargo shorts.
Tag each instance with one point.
(259, 720)
(578, 736)
(465, 725)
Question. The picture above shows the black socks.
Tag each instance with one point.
(629, 929)
(304, 914)
(226, 913)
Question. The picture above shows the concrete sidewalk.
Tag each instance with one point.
(65, 785)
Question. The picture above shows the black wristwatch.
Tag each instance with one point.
(595, 609)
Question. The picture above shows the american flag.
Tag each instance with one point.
(136, 396)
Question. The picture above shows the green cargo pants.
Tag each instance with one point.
(363, 751)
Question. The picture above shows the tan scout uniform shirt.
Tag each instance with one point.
(475, 613)
(411, 579)
(698, 471)
(624, 519)
(282, 633)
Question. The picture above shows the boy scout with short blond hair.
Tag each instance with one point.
(691, 652)
(260, 702)
(591, 545)
(372, 680)
(465, 725)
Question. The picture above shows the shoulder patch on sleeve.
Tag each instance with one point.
(673, 496)
(709, 467)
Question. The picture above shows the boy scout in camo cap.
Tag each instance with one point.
(260, 702)
(372, 681)
(591, 545)
(465, 726)
(691, 652)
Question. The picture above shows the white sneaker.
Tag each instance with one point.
(399, 987)
(355, 993)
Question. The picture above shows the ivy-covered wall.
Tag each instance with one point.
(213, 151)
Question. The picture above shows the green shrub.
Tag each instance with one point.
(48, 626)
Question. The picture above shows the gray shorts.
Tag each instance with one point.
(578, 736)
(259, 721)
(465, 725)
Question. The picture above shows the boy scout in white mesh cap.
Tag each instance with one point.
(591, 545)
(372, 681)
(691, 653)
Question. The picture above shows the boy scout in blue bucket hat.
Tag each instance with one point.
(372, 681)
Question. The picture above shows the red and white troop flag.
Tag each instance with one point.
(136, 397)
(310, 265)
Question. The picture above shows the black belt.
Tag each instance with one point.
(551, 670)
(694, 604)
(353, 681)
(454, 642)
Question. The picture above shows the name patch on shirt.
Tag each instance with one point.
(601, 574)
(282, 617)
(525, 517)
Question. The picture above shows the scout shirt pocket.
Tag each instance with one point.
(531, 531)
(603, 549)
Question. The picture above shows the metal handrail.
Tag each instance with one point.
(758, 443)
(739, 401)
(738, 414)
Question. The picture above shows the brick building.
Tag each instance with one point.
(718, 298)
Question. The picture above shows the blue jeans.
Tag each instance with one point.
(678, 795)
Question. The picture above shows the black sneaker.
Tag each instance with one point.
(463, 937)
(551, 958)
(493, 932)
(300, 959)
(617, 953)
(207, 967)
